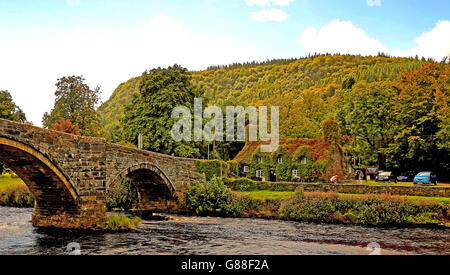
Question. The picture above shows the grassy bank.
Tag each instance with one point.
(215, 199)
(14, 192)
(274, 195)
(8, 181)
(378, 183)
(244, 184)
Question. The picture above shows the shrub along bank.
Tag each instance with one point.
(214, 198)
(382, 210)
(122, 196)
(284, 201)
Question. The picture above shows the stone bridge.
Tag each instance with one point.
(69, 175)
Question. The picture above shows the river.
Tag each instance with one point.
(173, 234)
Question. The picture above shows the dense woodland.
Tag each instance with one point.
(394, 109)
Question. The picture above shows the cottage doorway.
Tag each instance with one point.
(273, 175)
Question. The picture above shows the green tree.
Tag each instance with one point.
(149, 114)
(77, 102)
(365, 114)
(348, 83)
(9, 110)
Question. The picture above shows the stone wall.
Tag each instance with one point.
(180, 171)
(60, 164)
(424, 191)
(244, 184)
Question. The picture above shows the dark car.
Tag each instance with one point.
(407, 176)
(426, 178)
(386, 176)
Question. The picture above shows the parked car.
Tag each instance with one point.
(425, 178)
(386, 176)
(407, 176)
(372, 173)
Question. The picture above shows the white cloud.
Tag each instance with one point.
(374, 3)
(31, 66)
(282, 2)
(265, 15)
(343, 37)
(339, 37)
(73, 3)
(435, 43)
(251, 3)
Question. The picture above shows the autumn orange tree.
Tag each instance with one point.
(422, 117)
(66, 126)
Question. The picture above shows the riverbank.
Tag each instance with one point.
(216, 199)
(14, 192)
(372, 210)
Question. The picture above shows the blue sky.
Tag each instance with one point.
(110, 41)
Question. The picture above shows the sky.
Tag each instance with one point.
(110, 41)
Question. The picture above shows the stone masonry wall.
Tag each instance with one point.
(180, 171)
(81, 160)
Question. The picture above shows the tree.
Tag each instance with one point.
(64, 125)
(75, 101)
(149, 114)
(422, 117)
(348, 83)
(365, 114)
(9, 110)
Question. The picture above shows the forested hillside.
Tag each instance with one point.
(303, 88)
(112, 111)
(394, 109)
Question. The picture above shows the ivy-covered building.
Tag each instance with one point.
(297, 159)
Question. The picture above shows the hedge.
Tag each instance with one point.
(244, 184)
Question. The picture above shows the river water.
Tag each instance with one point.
(173, 234)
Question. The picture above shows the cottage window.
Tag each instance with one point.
(260, 160)
(259, 174)
(304, 160)
(280, 160)
(246, 169)
(295, 174)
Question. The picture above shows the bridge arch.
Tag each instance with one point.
(51, 189)
(154, 188)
